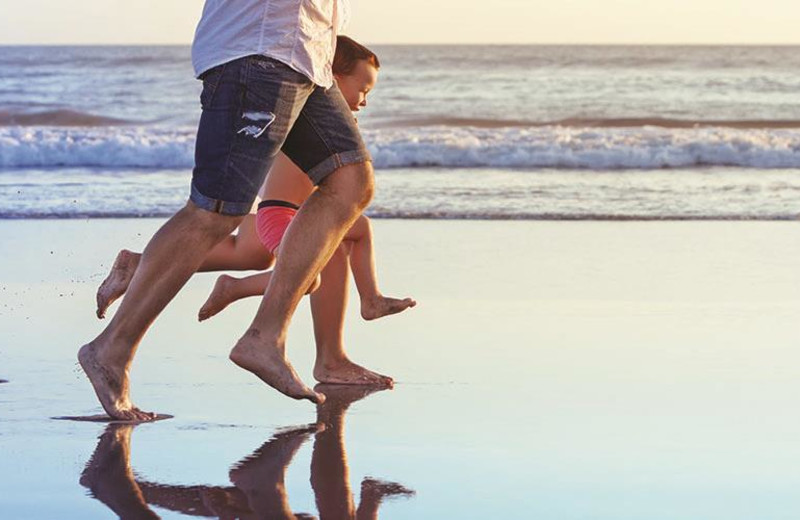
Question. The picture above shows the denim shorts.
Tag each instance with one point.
(254, 107)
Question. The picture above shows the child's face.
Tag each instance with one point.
(356, 85)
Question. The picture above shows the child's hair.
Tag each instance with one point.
(348, 53)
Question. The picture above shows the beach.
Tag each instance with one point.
(604, 370)
(603, 241)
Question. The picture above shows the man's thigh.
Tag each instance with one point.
(249, 106)
(325, 136)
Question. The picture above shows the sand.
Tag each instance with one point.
(551, 370)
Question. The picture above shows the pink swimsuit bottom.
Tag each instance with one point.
(272, 219)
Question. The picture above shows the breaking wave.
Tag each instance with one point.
(553, 146)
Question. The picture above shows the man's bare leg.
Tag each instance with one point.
(240, 252)
(328, 306)
(169, 260)
(374, 304)
(310, 240)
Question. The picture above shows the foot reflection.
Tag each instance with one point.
(258, 490)
(109, 477)
(329, 473)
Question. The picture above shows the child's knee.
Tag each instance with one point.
(364, 222)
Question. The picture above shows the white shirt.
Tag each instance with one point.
(299, 33)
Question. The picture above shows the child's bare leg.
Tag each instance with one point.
(362, 261)
(228, 289)
(240, 252)
(117, 281)
(328, 305)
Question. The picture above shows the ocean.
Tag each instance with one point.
(485, 132)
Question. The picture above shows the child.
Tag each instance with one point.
(286, 188)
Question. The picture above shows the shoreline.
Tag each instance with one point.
(467, 218)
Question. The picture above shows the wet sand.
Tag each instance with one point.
(565, 370)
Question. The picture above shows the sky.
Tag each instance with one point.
(429, 21)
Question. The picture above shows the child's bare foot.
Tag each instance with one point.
(267, 360)
(110, 382)
(377, 489)
(380, 306)
(117, 281)
(345, 372)
(219, 298)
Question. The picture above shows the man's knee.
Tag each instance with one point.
(367, 185)
(211, 223)
(353, 184)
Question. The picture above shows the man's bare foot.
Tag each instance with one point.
(219, 298)
(269, 363)
(345, 372)
(380, 306)
(117, 281)
(110, 383)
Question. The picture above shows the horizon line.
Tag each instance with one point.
(432, 44)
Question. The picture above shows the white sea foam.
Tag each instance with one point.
(449, 147)
(595, 148)
(113, 147)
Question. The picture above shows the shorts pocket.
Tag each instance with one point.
(211, 80)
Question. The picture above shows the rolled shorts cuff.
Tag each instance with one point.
(336, 161)
(233, 209)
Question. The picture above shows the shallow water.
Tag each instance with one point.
(552, 369)
(437, 193)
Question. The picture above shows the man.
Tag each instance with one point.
(267, 87)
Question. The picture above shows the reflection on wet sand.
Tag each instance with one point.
(108, 474)
(258, 490)
(329, 474)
